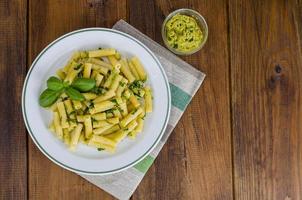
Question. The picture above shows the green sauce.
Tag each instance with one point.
(183, 33)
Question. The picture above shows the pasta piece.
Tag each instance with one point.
(115, 83)
(108, 122)
(81, 118)
(121, 134)
(100, 68)
(66, 136)
(111, 130)
(114, 120)
(68, 106)
(126, 94)
(99, 79)
(133, 70)
(121, 87)
(104, 97)
(114, 62)
(126, 71)
(99, 62)
(89, 96)
(87, 70)
(124, 109)
(57, 125)
(117, 113)
(101, 53)
(110, 78)
(102, 106)
(139, 68)
(100, 130)
(77, 104)
(75, 135)
(99, 116)
(134, 101)
(117, 55)
(63, 116)
(74, 70)
(148, 100)
(61, 74)
(98, 145)
(130, 117)
(73, 58)
(88, 126)
(103, 140)
(94, 73)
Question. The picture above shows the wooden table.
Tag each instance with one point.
(241, 136)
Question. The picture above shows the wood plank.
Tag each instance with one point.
(196, 162)
(13, 162)
(266, 99)
(48, 20)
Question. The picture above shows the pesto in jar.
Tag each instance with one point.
(183, 33)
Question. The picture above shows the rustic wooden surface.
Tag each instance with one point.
(238, 139)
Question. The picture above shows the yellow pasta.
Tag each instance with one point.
(61, 74)
(133, 70)
(102, 106)
(63, 116)
(130, 117)
(101, 53)
(134, 101)
(100, 68)
(98, 78)
(116, 82)
(139, 68)
(121, 134)
(106, 96)
(148, 100)
(87, 70)
(57, 125)
(114, 62)
(89, 96)
(75, 135)
(99, 116)
(111, 130)
(126, 71)
(113, 109)
(121, 87)
(88, 127)
(99, 62)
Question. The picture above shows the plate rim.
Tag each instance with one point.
(95, 172)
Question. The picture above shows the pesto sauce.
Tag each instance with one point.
(183, 33)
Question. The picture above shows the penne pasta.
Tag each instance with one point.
(126, 71)
(148, 100)
(102, 106)
(130, 117)
(101, 53)
(139, 68)
(87, 70)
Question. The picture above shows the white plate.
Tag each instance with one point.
(87, 160)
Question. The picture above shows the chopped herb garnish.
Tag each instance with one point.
(143, 118)
(122, 84)
(94, 120)
(91, 105)
(98, 90)
(109, 111)
(126, 129)
(100, 48)
(72, 112)
(78, 66)
(114, 101)
(133, 111)
(101, 149)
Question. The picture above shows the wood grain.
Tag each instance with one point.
(48, 20)
(13, 161)
(196, 162)
(266, 99)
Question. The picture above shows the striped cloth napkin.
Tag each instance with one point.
(184, 82)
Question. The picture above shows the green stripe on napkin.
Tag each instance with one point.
(180, 98)
(144, 165)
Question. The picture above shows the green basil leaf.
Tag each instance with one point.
(83, 84)
(74, 94)
(48, 97)
(54, 83)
